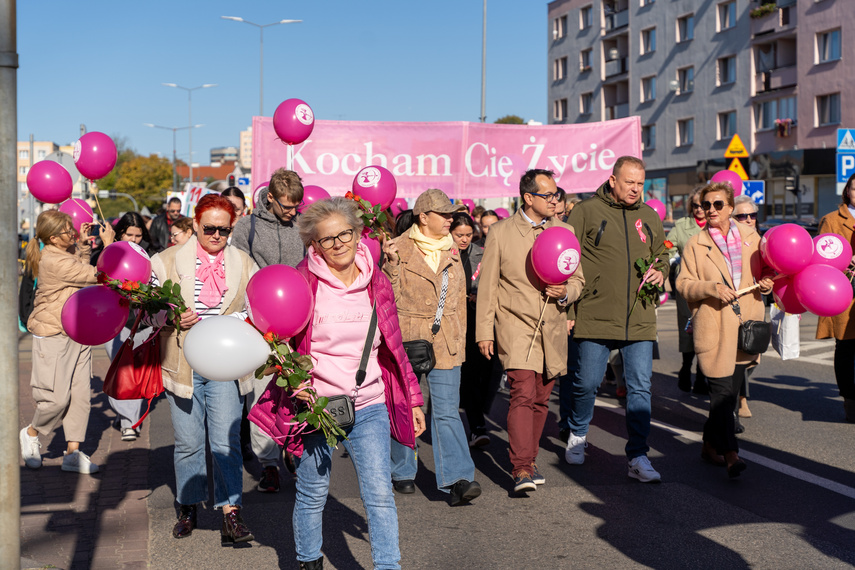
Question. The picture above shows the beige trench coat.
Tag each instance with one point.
(841, 327)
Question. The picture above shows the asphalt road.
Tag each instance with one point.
(794, 507)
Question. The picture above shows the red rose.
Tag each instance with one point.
(668, 244)
(268, 337)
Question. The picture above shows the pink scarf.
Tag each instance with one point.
(731, 250)
(212, 275)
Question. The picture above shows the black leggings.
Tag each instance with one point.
(719, 427)
(844, 367)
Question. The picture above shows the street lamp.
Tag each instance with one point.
(190, 91)
(174, 155)
(484, 66)
(261, 53)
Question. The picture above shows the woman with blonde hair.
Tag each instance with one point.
(62, 368)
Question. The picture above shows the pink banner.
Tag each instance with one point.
(471, 160)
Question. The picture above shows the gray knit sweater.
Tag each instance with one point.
(275, 241)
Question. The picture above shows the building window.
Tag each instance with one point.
(586, 103)
(648, 137)
(648, 41)
(765, 114)
(643, 3)
(726, 16)
(828, 46)
(726, 125)
(585, 60)
(22, 171)
(726, 70)
(686, 80)
(559, 109)
(559, 27)
(686, 28)
(787, 109)
(23, 154)
(648, 88)
(586, 17)
(559, 69)
(685, 132)
(828, 109)
(40, 154)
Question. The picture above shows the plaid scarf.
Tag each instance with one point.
(732, 252)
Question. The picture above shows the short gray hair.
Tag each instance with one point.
(323, 209)
(743, 199)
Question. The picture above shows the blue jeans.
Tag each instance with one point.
(565, 384)
(451, 457)
(638, 367)
(367, 444)
(219, 403)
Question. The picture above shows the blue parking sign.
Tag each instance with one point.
(755, 189)
(845, 166)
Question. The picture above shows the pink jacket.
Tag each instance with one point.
(275, 410)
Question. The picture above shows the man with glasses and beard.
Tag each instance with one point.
(270, 236)
(161, 225)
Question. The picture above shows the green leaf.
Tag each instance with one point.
(259, 372)
(304, 362)
(322, 402)
(176, 290)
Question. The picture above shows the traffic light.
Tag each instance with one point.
(231, 179)
(791, 184)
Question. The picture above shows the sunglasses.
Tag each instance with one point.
(718, 205)
(696, 206)
(743, 217)
(211, 230)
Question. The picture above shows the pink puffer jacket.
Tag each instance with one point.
(275, 409)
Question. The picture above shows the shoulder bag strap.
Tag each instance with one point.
(366, 350)
(441, 305)
(251, 237)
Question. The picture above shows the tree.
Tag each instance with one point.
(126, 153)
(146, 178)
(510, 120)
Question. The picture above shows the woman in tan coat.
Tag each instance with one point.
(429, 282)
(842, 327)
(717, 262)
(62, 368)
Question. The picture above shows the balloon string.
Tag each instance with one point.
(98, 205)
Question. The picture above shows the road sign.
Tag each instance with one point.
(755, 189)
(845, 166)
(736, 166)
(243, 181)
(845, 157)
(67, 161)
(736, 149)
(845, 140)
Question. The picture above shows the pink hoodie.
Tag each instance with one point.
(339, 327)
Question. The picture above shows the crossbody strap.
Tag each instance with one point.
(366, 350)
(441, 305)
(251, 236)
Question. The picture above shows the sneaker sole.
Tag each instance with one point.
(479, 442)
(574, 459)
(78, 470)
(267, 489)
(525, 488)
(637, 476)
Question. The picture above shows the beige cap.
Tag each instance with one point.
(434, 200)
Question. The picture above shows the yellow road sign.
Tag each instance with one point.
(736, 149)
(736, 167)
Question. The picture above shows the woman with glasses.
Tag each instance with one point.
(181, 231)
(745, 210)
(217, 287)
(348, 288)
(717, 263)
(430, 289)
(61, 367)
(679, 235)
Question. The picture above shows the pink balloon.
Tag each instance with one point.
(555, 255)
(764, 240)
(293, 121)
(397, 206)
(257, 191)
(95, 155)
(373, 245)
(823, 290)
(94, 315)
(49, 182)
(832, 249)
(663, 298)
(125, 261)
(729, 177)
(785, 296)
(312, 194)
(278, 300)
(376, 185)
(788, 250)
(79, 211)
(470, 205)
(658, 207)
(503, 214)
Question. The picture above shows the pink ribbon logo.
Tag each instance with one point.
(641, 235)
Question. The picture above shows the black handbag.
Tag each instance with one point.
(420, 352)
(754, 336)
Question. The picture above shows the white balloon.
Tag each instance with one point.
(224, 348)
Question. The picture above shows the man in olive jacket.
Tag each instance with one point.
(615, 230)
(510, 300)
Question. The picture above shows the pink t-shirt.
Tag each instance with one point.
(339, 327)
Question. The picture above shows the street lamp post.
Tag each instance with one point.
(174, 155)
(190, 91)
(484, 67)
(261, 52)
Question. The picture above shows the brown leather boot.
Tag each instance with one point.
(234, 529)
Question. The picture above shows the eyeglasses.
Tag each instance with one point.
(211, 230)
(551, 197)
(287, 209)
(174, 235)
(344, 237)
(696, 206)
(718, 205)
(743, 217)
(68, 231)
(178, 211)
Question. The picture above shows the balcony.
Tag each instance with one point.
(776, 79)
(617, 20)
(618, 111)
(615, 66)
(783, 19)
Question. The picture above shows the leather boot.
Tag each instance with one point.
(743, 410)
(234, 529)
(849, 408)
(312, 565)
(186, 521)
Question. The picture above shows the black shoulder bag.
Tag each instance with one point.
(341, 407)
(754, 336)
(420, 352)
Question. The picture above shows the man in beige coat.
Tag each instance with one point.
(510, 301)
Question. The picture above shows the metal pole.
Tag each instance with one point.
(174, 163)
(261, 73)
(190, 129)
(10, 476)
(30, 200)
(484, 67)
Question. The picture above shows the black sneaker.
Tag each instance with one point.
(479, 440)
(464, 491)
(269, 480)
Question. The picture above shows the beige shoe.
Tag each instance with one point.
(743, 412)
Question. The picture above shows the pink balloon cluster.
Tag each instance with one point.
(125, 261)
(278, 300)
(555, 255)
(94, 315)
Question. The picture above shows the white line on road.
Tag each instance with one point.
(783, 468)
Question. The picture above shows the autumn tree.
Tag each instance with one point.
(510, 120)
(146, 178)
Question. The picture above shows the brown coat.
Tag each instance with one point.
(841, 327)
(417, 288)
(715, 326)
(178, 264)
(60, 275)
(510, 299)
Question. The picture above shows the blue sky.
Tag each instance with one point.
(101, 63)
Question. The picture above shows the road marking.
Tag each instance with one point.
(823, 358)
(782, 468)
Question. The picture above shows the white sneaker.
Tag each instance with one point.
(641, 469)
(79, 462)
(30, 447)
(129, 434)
(575, 452)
